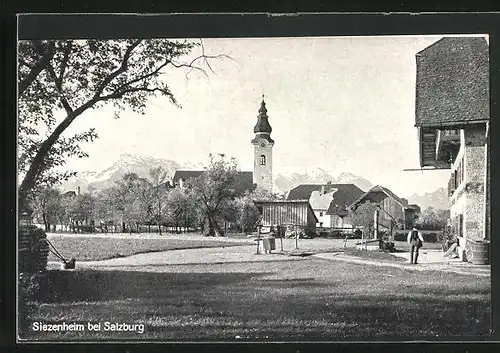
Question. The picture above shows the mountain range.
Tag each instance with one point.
(283, 182)
(437, 199)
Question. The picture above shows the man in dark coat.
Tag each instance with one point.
(416, 241)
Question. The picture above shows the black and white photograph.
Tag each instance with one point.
(253, 189)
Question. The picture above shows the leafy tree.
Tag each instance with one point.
(159, 192)
(133, 200)
(177, 207)
(260, 194)
(48, 207)
(67, 202)
(248, 216)
(106, 213)
(212, 190)
(362, 216)
(84, 210)
(433, 219)
(73, 76)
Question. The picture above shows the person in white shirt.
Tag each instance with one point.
(416, 241)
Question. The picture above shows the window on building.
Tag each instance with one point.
(262, 160)
(321, 214)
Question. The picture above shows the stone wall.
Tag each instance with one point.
(33, 249)
(475, 169)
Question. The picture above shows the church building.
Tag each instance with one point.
(262, 175)
(263, 151)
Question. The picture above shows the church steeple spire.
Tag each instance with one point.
(263, 150)
(262, 125)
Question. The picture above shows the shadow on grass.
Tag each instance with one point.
(346, 304)
(91, 286)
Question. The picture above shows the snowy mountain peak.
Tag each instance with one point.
(283, 181)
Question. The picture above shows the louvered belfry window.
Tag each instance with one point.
(262, 160)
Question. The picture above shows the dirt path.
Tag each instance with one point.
(233, 254)
(431, 260)
(445, 266)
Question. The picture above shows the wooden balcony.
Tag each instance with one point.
(447, 145)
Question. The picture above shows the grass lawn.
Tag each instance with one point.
(91, 248)
(306, 299)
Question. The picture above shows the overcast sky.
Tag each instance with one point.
(344, 104)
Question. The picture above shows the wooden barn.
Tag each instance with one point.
(287, 212)
(392, 208)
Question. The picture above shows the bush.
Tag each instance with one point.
(429, 237)
(31, 288)
(387, 246)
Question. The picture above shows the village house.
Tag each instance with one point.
(329, 201)
(452, 117)
(392, 210)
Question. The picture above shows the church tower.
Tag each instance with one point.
(263, 151)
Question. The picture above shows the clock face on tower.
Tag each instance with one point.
(262, 144)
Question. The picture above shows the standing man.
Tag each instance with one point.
(416, 241)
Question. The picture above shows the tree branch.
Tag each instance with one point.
(35, 70)
(152, 73)
(58, 84)
(121, 69)
(64, 62)
(119, 94)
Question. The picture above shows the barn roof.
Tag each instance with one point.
(452, 82)
(244, 180)
(186, 174)
(389, 193)
(345, 194)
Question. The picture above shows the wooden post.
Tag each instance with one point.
(296, 238)
(258, 238)
(280, 231)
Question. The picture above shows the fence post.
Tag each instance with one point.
(280, 230)
(296, 237)
(258, 238)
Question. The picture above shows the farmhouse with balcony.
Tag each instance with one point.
(452, 117)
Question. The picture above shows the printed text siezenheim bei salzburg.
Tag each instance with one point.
(38, 326)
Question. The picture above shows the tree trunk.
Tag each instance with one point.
(138, 230)
(212, 228)
(36, 165)
(45, 223)
(124, 229)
